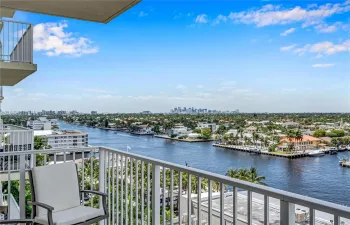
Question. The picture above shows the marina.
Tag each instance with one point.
(256, 151)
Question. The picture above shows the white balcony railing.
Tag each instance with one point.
(16, 41)
(137, 187)
(12, 139)
(13, 211)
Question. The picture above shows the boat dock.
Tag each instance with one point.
(247, 149)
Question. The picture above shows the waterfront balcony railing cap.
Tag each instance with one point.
(16, 41)
(107, 155)
(11, 127)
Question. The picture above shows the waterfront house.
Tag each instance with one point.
(232, 131)
(306, 143)
(251, 129)
(212, 126)
(142, 130)
(290, 124)
(179, 130)
(326, 140)
(194, 135)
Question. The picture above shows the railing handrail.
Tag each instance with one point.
(321, 205)
(15, 21)
(19, 128)
(310, 202)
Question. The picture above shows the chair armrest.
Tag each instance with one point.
(94, 192)
(15, 221)
(42, 205)
(47, 207)
(103, 196)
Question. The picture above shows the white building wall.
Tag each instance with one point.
(67, 140)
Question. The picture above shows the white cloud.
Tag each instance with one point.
(202, 18)
(325, 28)
(54, 41)
(93, 90)
(301, 51)
(181, 86)
(200, 86)
(143, 14)
(273, 14)
(219, 19)
(287, 48)
(325, 47)
(287, 32)
(323, 65)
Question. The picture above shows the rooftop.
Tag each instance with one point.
(305, 138)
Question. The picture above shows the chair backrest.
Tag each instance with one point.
(56, 185)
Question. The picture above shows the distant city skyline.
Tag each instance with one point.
(223, 55)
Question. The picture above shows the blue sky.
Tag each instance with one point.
(256, 56)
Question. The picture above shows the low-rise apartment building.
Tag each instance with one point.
(64, 138)
(42, 123)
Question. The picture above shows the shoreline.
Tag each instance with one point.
(289, 156)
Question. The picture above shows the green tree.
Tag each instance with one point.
(206, 133)
(221, 130)
(250, 175)
(156, 129)
(197, 130)
(319, 133)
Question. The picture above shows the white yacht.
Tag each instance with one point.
(316, 153)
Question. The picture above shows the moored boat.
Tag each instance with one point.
(333, 151)
(342, 148)
(316, 153)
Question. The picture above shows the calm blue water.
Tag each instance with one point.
(320, 178)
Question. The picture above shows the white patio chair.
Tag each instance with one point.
(56, 197)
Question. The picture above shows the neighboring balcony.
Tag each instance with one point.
(143, 190)
(16, 52)
(9, 207)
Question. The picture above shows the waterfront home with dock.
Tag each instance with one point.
(212, 126)
(142, 130)
(179, 130)
(305, 143)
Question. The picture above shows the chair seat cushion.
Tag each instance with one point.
(70, 216)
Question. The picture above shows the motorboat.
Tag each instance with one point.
(342, 148)
(316, 153)
(333, 150)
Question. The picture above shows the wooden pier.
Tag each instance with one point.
(245, 149)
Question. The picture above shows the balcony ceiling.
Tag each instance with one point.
(11, 73)
(101, 11)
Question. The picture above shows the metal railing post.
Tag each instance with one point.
(156, 194)
(287, 213)
(22, 186)
(101, 176)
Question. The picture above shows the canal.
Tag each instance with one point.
(319, 177)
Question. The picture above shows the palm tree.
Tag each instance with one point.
(290, 136)
(255, 137)
(231, 173)
(298, 136)
(250, 175)
(253, 177)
